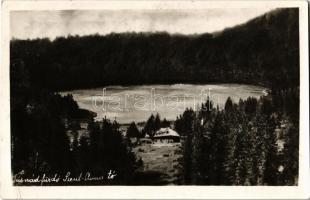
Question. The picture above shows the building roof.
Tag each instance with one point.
(166, 132)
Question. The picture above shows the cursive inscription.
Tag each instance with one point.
(20, 178)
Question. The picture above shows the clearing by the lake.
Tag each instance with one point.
(160, 162)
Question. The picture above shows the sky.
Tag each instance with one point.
(52, 24)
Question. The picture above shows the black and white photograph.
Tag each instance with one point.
(199, 96)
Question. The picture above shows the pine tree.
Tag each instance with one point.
(200, 155)
(228, 105)
(133, 131)
(218, 150)
(291, 154)
(149, 127)
(272, 162)
(187, 160)
(157, 122)
(165, 123)
(250, 106)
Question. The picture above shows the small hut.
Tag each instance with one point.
(166, 135)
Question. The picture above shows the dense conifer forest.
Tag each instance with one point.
(264, 51)
(40, 120)
(251, 142)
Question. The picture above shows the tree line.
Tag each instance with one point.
(263, 51)
(153, 124)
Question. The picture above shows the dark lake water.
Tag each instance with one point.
(136, 103)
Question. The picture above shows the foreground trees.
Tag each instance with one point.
(40, 123)
(253, 142)
(108, 150)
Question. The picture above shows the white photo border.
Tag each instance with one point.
(7, 190)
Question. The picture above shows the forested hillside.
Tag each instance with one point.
(252, 142)
(263, 51)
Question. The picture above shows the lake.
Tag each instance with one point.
(136, 103)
